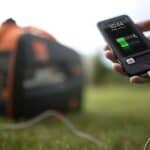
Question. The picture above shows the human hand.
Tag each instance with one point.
(144, 26)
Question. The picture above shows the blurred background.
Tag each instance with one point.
(114, 111)
(73, 23)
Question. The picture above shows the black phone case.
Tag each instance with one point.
(142, 65)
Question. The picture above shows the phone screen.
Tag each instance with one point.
(125, 37)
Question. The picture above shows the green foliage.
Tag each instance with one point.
(105, 75)
(99, 71)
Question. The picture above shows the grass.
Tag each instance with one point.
(116, 115)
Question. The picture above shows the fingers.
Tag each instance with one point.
(110, 55)
(117, 67)
(138, 79)
(106, 48)
(134, 79)
(144, 26)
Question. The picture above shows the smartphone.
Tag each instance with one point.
(128, 43)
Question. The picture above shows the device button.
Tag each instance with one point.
(130, 61)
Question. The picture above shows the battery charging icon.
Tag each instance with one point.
(122, 42)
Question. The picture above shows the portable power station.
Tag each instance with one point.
(37, 73)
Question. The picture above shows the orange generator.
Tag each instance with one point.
(37, 73)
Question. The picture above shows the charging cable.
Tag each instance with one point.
(147, 144)
(45, 115)
(67, 122)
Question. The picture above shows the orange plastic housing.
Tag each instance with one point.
(9, 35)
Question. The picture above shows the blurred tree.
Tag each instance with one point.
(104, 75)
(99, 70)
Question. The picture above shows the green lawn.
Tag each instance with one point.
(118, 116)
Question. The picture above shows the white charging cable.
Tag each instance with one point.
(67, 122)
(147, 144)
(46, 114)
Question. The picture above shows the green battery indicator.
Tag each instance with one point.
(122, 42)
